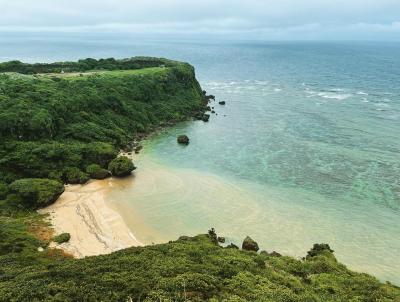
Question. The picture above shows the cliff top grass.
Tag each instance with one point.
(78, 75)
(59, 116)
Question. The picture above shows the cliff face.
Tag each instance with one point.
(57, 119)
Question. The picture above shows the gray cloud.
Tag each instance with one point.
(267, 18)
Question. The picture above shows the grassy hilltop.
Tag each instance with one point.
(53, 121)
(64, 123)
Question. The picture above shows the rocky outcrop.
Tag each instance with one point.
(138, 148)
(205, 117)
(250, 245)
(121, 166)
(222, 103)
(232, 246)
(275, 254)
(183, 139)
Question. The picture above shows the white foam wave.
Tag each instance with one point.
(335, 96)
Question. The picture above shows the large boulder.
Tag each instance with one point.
(222, 103)
(183, 139)
(221, 239)
(250, 245)
(205, 117)
(121, 166)
(37, 192)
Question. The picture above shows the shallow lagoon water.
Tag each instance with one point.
(300, 159)
(306, 150)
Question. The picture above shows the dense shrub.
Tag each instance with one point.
(62, 238)
(121, 166)
(190, 269)
(73, 175)
(36, 192)
(97, 172)
(3, 190)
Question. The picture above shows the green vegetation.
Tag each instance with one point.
(50, 122)
(190, 269)
(62, 238)
(75, 176)
(85, 65)
(36, 193)
(121, 166)
(65, 122)
(97, 172)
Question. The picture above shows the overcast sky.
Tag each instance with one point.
(263, 19)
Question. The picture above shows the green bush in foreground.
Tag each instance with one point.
(62, 238)
(121, 166)
(36, 192)
(189, 269)
(97, 172)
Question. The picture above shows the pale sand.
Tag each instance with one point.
(94, 226)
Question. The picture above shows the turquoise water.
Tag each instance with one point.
(311, 129)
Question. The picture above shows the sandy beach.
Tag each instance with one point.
(94, 226)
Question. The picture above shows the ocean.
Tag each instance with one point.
(306, 149)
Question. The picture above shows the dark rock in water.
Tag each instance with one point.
(209, 97)
(183, 139)
(250, 245)
(212, 111)
(208, 108)
(222, 103)
(205, 117)
(221, 239)
(199, 116)
(212, 107)
(275, 254)
(232, 246)
(204, 92)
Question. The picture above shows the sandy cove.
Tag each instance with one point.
(94, 226)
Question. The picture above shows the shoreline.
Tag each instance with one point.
(95, 227)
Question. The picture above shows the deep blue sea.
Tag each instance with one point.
(306, 149)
